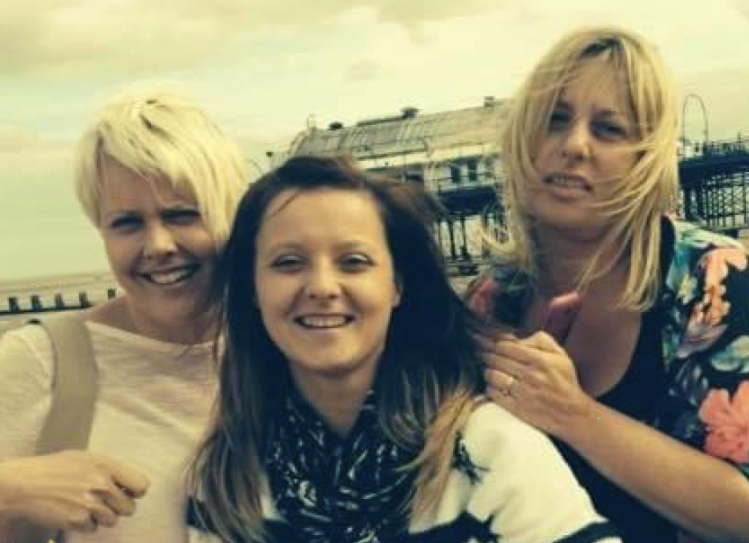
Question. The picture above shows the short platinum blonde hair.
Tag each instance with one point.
(647, 191)
(159, 134)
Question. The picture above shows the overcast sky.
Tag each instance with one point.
(265, 68)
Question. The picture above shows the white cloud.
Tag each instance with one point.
(102, 36)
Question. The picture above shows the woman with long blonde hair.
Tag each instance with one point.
(647, 396)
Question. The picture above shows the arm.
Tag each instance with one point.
(700, 493)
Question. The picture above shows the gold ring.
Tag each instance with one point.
(510, 383)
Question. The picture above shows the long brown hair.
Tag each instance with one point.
(427, 381)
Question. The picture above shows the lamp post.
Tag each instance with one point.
(705, 126)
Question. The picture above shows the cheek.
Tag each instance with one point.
(201, 243)
(273, 295)
(119, 253)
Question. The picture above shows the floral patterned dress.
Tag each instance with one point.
(699, 331)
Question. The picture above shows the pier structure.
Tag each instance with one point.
(715, 185)
(454, 154)
(22, 299)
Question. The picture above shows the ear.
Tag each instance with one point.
(398, 291)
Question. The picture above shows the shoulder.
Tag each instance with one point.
(492, 430)
(495, 440)
(701, 256)
(29, 344)
(514, 482)
(688, 235)
(692, 244)
(26, 369)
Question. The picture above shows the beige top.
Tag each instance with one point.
(152, 407)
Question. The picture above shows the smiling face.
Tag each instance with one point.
(158, 248)
(326, 284)
(587, 149)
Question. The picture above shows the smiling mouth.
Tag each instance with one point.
(171, 277)
(568, 182)
(323, 322)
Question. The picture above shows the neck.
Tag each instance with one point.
(563, 257)
(337, 400)
(118, 313)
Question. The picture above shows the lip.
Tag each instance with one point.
(323, 321)
(571, 182)
(181, 273)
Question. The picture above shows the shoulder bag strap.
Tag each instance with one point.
(71, 413)
(71, 410)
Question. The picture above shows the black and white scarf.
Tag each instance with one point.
(334, 490)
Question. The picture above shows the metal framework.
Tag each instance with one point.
(715, 185)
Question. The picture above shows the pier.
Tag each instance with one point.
(21, 300)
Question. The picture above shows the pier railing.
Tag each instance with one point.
(22, 299)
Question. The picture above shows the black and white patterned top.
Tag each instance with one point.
(508, 485)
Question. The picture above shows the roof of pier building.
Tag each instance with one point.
(409, 137)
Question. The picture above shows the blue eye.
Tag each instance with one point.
(609, 130)
(181, 216)
(559, 119)
(126, 223)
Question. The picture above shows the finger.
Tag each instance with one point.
(500, 383)
(500, 397)
(500, 362)
(131, 481)
(488, 342)
(119, 501)
(495, 333)
(83, 522)
(523, 351)
(543, 341)
(103, 515)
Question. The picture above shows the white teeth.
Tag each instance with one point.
(571, 182)
(323, 321)
(170, 278)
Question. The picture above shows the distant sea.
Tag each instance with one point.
(43, 232)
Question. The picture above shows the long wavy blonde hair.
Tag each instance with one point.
(645, 193)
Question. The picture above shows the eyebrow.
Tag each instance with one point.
(562, 103)
(344, 245)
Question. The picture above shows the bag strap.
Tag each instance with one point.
(71, 412)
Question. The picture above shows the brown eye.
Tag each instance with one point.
(288, 263)
(355, 262)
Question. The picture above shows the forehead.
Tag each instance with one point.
(123, 188)
(307, 214)
(596, 84)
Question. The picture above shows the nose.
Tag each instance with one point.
(323, 282)
(577, 144)
(159, 242)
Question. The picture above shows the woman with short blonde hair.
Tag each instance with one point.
(160, 182)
